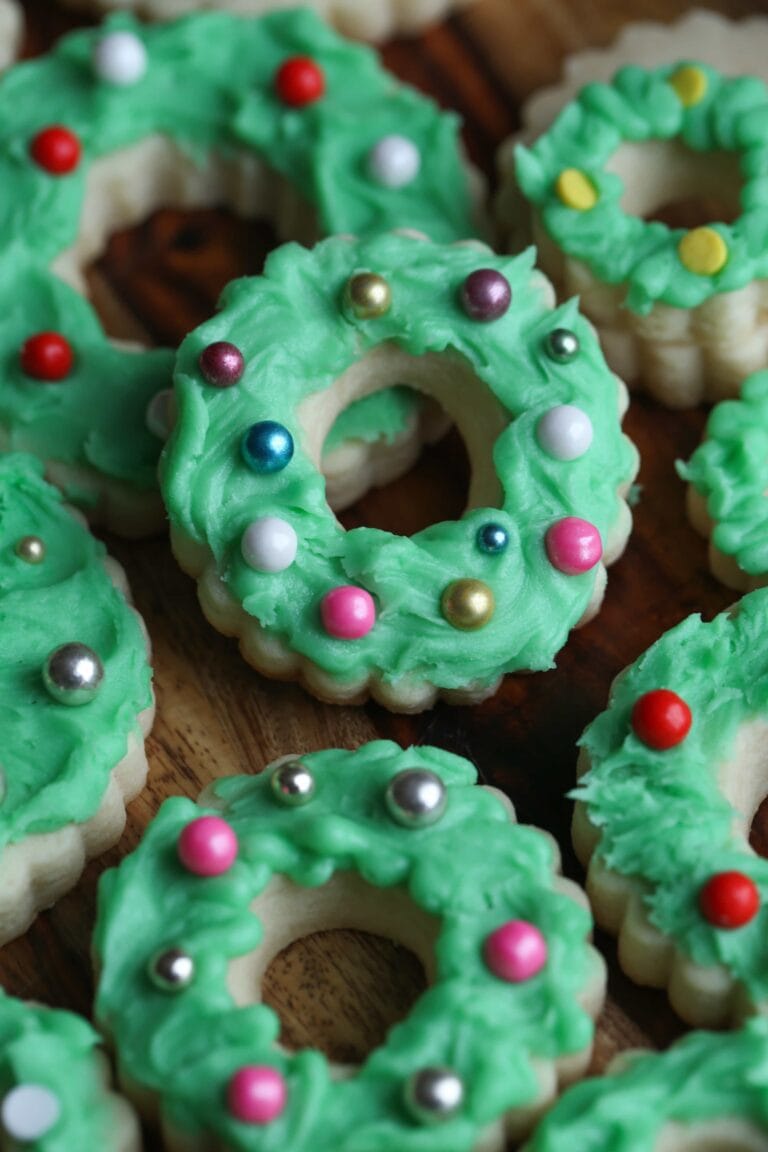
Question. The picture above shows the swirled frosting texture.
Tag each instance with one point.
(208, 87)
(297, 339)
(473, 870)
(642, 104)
(705, 1077)
(56, 760)
(58, 1052)
(663, 817)
(730, 470)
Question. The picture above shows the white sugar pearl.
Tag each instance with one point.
(565, 432)
(394, 161)
(29, 1111)
(120, 58)
(269, 544)
(158, 414)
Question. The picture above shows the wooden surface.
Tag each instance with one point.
(216, 716)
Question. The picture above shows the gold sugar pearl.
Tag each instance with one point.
(467, 604)
(575, 190)
(31, 549)
(703, 251)
(368, 295)
(690, 84)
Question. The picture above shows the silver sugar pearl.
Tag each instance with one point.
(433, 1095)
(292, 783)
(172, 970)
(31, 549)
(562, 345)
(72, 674)
(416, 797)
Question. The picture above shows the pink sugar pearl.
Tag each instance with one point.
(348, 612)
(208, 846)
(573, 545)
(516, 951)
(256, 1094)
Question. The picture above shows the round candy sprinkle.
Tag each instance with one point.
(257, 1094)
(394, 161)
(73, 674)
(348, 612)
(516, 951)
(467, 604)
(492, 538)
(661, 719)
(222, 364)
(267, 447)
(47, 356)
(416, 797)
(562, 345)
(729, 900)
(56, 150)
(292, 783)
(703, 251)
(172, 970)
(368, 295)
(690, 84)
(269, 544)
(120, 58)
(30, 549)
(207, 846)
(434, 1094)
(299, 81)
(565, 432)
(575, 190)
(158, 413)
(485, 294)
(573, 545)
(29, 1112)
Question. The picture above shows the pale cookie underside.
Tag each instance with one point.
(11, 29)
(123, 1124)
(723, 567)
(682, 357)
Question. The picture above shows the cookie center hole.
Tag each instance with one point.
(339, 964)
(666, 181)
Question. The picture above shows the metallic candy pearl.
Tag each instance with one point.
(72, 674)
(221, 364)
(292, 783)
(394, 161)
(172, 970)
(31, 549)
(485, 295)
(492, 538)
(467, 604)
(368, 295)
(267, 447)
(416, 797)
(562, 345)
(434, 1094)
(28, 1112)
(120, 58)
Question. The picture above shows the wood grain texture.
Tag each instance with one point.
(216, 716)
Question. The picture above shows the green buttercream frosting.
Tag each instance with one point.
(58, 1052)
(473, 870)
(297, 338)
(705, 1077)
(56, 759)
(209, 88)
(662, 815)
(619, 248)
(730, 470)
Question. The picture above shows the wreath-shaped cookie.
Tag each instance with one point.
(278, 116)
(672, 774)
(398, 842)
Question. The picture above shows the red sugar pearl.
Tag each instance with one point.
(729, 900)
(47, 356)
(661, 719)
(299, 81)
(56, 149)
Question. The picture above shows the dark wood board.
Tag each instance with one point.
(217, 716)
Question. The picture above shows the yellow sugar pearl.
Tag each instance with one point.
(576, 190)
(467, 604)
(690, 84)
(703, 251)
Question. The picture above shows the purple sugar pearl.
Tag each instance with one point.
(485, 294)
(221, 364)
